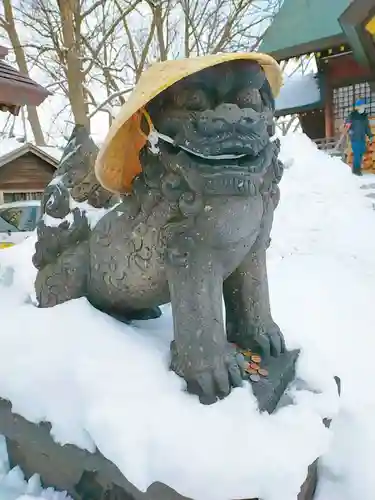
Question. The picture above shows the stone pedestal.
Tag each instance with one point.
(87, 476)
(281, 372)
(83, 475)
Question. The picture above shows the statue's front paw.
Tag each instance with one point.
(269, 339)
(210, 377)
(266, 339)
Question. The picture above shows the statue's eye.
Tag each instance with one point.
(193, 99)
(248, 98)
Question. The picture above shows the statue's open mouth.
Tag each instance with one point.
(194, 152)
(245, 150)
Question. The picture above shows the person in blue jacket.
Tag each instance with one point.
(358, 127)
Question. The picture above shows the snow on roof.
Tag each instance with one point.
(11, 148)
(55, 153)
(299, 91)
(9, 145)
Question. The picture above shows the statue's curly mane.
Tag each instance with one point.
(185, 187)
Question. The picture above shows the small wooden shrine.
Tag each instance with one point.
(16, 89)
(340, 34)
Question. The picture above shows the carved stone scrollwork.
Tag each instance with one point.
(191, 203)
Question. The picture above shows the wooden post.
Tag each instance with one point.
(328, 113)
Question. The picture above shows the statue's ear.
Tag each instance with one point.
(267, 96)
(256, 75)
(248, 75)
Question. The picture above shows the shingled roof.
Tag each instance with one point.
(16, 89)
(304, 26)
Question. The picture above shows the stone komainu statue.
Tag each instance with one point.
(195, 177)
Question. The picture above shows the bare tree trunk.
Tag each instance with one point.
(70, 12)
(106, 73)
(10, 27)
(186, 10)
(159, 24)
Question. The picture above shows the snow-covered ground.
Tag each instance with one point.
(101, 383)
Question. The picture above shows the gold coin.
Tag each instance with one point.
(254, 366)
(246, 353)
(263, 372)
(256, 358)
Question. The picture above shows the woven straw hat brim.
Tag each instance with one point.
(118, 160)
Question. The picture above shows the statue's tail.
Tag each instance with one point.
(62, 250)
(76, 171)
(67, 198)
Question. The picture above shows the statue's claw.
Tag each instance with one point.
(267, 340)
(277, 341)
(270, 340)
(216, 380)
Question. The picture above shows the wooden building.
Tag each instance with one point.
(341, 36)
(25, 170)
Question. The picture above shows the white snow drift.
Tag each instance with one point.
(101, 383)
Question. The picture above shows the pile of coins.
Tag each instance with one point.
(252, 366)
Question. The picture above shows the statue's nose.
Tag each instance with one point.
(230, 113)
(226, 113)
(225, 117)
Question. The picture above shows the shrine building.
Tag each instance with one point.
(340, 35)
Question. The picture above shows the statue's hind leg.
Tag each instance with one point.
(248, 313)
(64, 279)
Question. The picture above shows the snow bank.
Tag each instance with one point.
(102, 383)
(322, 288)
